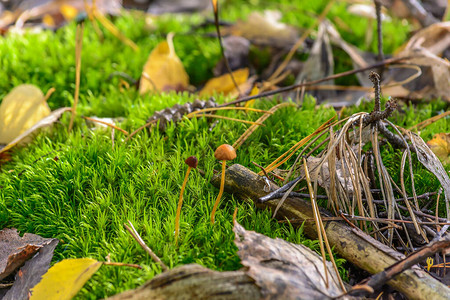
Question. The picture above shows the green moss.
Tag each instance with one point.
(81, 188)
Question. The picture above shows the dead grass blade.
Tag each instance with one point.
(261, 120)
(285, 156)
(321, 230)
(429, 121)
(105, 123)
(78, 48)
(300, 41)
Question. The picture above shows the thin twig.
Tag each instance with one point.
(377, 280)
(379, 34)
(119, 264)
(78, 47)
(141, 242)
(335, 76)
(105, 123)
(219, 36)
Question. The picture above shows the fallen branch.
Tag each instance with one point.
(378, 280)
(351, 243)
(195, 282)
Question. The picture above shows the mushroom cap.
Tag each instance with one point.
(192, 161)
(225, 152)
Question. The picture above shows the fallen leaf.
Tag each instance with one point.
(430, 161)
(15, 250)
(30, 274)
(60, 10)
(65, 279)
(284, 270)
(320, 64)
(47, 121)
(265, 29)
(163, 70)
(159, 7)
(440, 145)
(224, 84)
(424, 50)
(23, 107)
(366, 11)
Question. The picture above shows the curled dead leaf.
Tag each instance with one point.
(265, 29)
(47, 121)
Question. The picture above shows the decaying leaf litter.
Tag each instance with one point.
(343, 168)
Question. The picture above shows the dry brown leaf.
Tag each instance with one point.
(163, 70)
(47, 121)
(284, 270)
(30, 274)
(425, 48)
(265, 29)
(440, 145)
(23, 107)
(224, 84)
(15, 250)
(320, 64)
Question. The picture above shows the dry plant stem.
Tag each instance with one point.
(322, 228)
(261, 120)
(300, 41)
(215, 4)
(335, 76)
(226, 108)
(429, 121)
(105, 123)
(119, 264)
(48, 94)
(222, 184)
(352, 244)
(379, 34)
(113, 29)
(317, 221)
(78, 47)
(285, 156)
(141, 242)
(379, 279)
(375, 78)
(139, 129)
(226, 118)
(180, 203)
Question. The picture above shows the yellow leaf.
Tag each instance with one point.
(254, 92)
(65, 279)
(224, 84)
(23, 107)
(440, 145)
(48, 20)
(163, 70)
(68, 11)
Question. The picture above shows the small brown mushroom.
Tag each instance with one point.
(223, 152)
(192, 162)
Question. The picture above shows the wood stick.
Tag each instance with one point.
(352, 244)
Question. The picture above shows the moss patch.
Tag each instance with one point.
(81, 188)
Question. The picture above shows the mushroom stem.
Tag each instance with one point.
(222, 184)
(180, 203)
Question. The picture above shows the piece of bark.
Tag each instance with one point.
(285, 270)
(195, 282)
(352, 244)
(16, 250)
